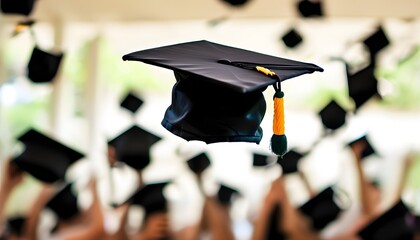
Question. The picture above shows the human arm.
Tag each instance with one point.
(12, 176)
(367, 199)
(408, 162)
(156, 227)
(217, 219)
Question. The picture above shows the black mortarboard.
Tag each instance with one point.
(414, 222)
(45, 158)
(64, 203)
(199, 163)
(131, 102)
(151, 198)
(289, 162)
(292, 38)
(133, 146)
(236, 3)
(218, 95)
(310, 8)
(368, 150)
(15, 225)
(391, 225)
(262, 160)
(43, 66)
(322, 209)
(376, 42)
(225, 194)
(333, 116)
(20, 7)
(363, 85)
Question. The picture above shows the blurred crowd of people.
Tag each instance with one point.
(277, 218)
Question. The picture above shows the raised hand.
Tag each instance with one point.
(156, 227)
(12, 176)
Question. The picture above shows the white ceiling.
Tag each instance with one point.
(136, 10)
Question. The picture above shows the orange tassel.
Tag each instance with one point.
(278, 118)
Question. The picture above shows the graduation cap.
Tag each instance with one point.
(292, 38)
(45, 158)
(332, 115)
(218, 94)
(368, 150)
(131, 102)
(323, 208)
(20, 7)
(376, 42)
(151, 198)
(225, 194)
(290, 160)
(262, 160)
(199, 163)
(235, 3)
(15, 225)
(43, 66)
(310, 8)
(22, 26)
(391, 225)
(133, 146)
(64, 203)
(363, 85)
(414, 222)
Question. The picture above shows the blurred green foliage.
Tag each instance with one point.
(24, 115)
(324, 94)
(413, 180)
(113, 70)
(114, 73)
(405, 78)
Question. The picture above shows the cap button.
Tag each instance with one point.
(225, 61)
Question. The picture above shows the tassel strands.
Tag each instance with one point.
(278, 140)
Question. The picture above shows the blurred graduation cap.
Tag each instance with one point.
(64, 203)
(289, 162)
(376, 42)
(22, 26)
(363, 85)
(332, 115)
(218, 94)
(310, 8)
(323, 208)
(414, 222)
(368, 150)
(262, 160)
(15, 225)
(235, 3)
(43, 66)
(225, 194)
(199, 163)
(133, 146)
(292, 38)
(391, 225)
(131, 102)
(20, 7)
(45, 158)
(151, 198)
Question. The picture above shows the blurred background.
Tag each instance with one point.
(81, 106)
